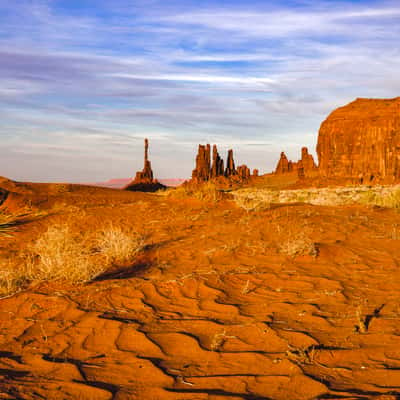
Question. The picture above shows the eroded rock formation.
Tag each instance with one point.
(207, 169)
(230, 165)
(217, 167)
(202, 170)
(144, 180)
(307, 161)
(303, 167)
(283, 166)
(361, 141)
(146, 175)
(243, 172)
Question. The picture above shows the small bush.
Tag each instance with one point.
(299, 246)
(60, 254)
(12, 278)
(118, 246)
(206, 191)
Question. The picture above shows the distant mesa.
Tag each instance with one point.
(144, 180)
(361, 141)
(208, 168)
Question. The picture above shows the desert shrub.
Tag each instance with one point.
(251, 204)
(12, 278)
(298, 245)
(206, 191)
(119, 246)
(62, 254)
(59, 254)
(255, 199)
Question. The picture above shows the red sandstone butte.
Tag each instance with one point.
(361, 141)
(144, 180)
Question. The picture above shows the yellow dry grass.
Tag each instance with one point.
(252, 199)
(298, 245)
(63, 253)
(206, 191)
(12, 277)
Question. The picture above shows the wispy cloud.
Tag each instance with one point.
(80, 84)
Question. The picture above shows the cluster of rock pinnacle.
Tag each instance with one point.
(207, 168)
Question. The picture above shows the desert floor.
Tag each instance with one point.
(290, 302)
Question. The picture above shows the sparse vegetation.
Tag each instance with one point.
(207, 191)
(252, 199)
(385, 198)
(61, 253)
(12, 278)
(118, 246)
(300, 245)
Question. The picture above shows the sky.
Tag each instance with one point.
(83, 82)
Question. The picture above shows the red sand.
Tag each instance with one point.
(212, 309)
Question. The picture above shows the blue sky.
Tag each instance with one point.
(84, 81)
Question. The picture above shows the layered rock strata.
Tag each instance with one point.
(361, 141)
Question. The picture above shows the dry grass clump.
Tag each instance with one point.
(300, 245)
(12, 278)
(59, 254)
(206, 191)
(62, 254)
(252, 204)
(118, 246)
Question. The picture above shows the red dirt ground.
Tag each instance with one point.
(212, 308)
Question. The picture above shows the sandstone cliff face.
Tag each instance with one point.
(361, 141)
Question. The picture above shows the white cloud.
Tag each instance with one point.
(258, 78)
(248, 80)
